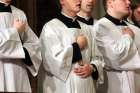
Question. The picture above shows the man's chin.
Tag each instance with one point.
(89, 10)
(126, 13)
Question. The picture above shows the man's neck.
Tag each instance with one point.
(115, 15)
(69, 14)
(84, 15)
(73, 18)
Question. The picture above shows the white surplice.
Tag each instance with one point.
(137, 72)
(57, 51)
(13, 71)
(120, 54)
(96, 55)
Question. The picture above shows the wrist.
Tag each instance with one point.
(93, 69)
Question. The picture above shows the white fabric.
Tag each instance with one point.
(137, 72)
(97, 58)
(13, 73)
(120, 54)
(57, 52)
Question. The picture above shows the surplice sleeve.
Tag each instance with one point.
(10, 44)
(31, 46)
(57, 58)
(114, 50)
(97, 61)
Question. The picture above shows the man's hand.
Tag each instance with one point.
(82, 41)
(128, 31)
(83, 71)
(19, 25)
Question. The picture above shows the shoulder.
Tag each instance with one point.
(102, 26)
(131, 25)
(52, 27)
(17, 10)
(81, 23)
(102, 23)
(53, 23)
(95, 20)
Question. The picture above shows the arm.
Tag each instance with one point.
(10, 44)
(92, 67)
(57, 58)
(114, 51)
(97, 62)
(31, 45)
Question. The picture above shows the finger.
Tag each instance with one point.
(17, 20)
(78, 70)
(124, 29)
(81, 63)
(80, 74)
(84, 76)
(75, 70)
(81, 34)
(84, 66)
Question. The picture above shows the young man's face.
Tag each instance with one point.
(6, 1)
(87, 5)
(121, 7)
(137, 14)
(71, 5)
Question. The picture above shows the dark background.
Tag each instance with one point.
(38, 12)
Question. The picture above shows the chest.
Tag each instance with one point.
(116, 32)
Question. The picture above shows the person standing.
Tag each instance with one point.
(85, 14)
(118, 42)
(86, 19)
(66, 51)
(19, 50)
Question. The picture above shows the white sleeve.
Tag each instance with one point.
(114, 50)
(57, 59)
(97, 60)
(10, 44)
(30, 42)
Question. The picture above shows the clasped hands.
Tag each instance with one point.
(82, 69)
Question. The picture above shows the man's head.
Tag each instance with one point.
(87, 5)
(7, 2)
(136, 13)
(117, 8)
(70, 6)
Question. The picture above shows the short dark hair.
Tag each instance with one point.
(135, 2)
(135, 5)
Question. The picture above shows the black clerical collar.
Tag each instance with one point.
(69, 22)
(90, 21)
(4, 8)
(115, 21)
